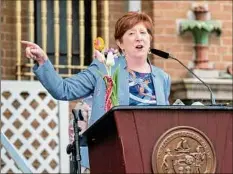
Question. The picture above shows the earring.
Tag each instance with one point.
(122, 52)
(149, 52)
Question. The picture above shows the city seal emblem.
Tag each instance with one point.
(183, 149)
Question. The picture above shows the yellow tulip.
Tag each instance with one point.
(99, 44)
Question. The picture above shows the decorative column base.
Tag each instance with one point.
(203, 73)
(190, 90)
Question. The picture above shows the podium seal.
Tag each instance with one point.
(183, 149)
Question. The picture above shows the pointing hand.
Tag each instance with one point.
(33, 51)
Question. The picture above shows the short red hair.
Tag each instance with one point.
(129, 20)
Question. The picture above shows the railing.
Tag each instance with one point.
(69, 64)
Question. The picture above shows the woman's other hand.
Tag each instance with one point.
(83, 125)
(33, 51)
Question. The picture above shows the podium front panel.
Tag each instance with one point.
(123, 140)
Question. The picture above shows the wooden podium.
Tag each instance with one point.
(151, 139)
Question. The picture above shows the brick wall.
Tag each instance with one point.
(116, 9)
(8, 36)
(7, 40)
(165, 15)
(166, 37)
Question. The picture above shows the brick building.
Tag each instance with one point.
(165, 15)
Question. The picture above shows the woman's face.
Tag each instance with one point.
(136, 42)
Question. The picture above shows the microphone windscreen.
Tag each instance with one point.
(160, 53)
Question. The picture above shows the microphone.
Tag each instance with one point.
(167, 55)
(77, 114)
(75, 146)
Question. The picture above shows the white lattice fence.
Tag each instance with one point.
(37, 125)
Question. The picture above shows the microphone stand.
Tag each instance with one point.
(213, 102)
(74, 148)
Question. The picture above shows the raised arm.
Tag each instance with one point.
(72, 88)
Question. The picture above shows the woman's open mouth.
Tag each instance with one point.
(139, 47)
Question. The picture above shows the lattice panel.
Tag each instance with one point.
(11, 167)
(30, 120)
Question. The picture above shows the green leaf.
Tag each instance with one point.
(114, 99)
(115, 81)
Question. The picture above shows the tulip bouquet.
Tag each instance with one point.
(106, 56)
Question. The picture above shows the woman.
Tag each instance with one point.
(133, 35)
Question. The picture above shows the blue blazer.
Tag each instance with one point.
(89, 82)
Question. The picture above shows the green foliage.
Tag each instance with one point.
(115, 80)
(200, 29)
